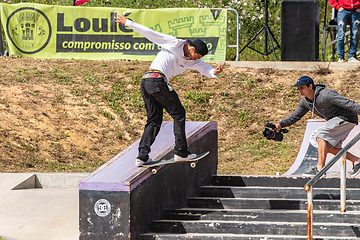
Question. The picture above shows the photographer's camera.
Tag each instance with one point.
(273, 135)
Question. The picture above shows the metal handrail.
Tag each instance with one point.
(309, 185)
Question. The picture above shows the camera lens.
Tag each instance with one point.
(271, 135)
(268, 134)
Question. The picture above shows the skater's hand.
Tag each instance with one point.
(278, 127)
(218, 70)
(120, 19)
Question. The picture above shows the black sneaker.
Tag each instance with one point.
(312, 172)
(356, 171)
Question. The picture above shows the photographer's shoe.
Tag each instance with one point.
(312, 172)
(356, 171)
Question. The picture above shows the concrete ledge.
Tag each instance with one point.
(121, 174)
(285, 65)
(119, 200)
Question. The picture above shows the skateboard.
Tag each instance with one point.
(155, 164)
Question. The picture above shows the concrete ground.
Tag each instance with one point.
(45, 206)
(39, 206)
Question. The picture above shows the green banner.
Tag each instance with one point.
(47, 31)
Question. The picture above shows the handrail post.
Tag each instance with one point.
(309, 212)
(343, 184)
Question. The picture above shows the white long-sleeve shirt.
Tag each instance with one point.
(170, 60)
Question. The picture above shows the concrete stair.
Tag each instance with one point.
(262, 207)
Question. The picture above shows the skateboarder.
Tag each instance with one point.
(339, 112)
(175, 56)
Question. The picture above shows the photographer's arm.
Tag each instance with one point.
(300, 111)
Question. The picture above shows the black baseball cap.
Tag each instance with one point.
(304, 80)
(200, 46)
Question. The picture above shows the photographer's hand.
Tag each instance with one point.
(278, 127)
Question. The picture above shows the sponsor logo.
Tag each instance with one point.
(29, 29)
(102, 207)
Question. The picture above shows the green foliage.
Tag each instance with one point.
(197, 97)
(244, 117)
(91, 80)
(106, 114)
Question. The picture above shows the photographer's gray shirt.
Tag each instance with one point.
(326, 104)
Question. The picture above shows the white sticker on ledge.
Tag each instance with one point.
(102, 207)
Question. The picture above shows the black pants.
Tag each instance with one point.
(156, 95)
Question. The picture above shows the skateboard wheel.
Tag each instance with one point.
(193, 164)
(154, 171)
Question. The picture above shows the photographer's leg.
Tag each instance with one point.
(352, 158)
(322, 152)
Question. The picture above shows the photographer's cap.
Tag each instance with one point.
(200, 46)
(304, 80)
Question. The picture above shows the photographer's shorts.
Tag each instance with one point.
(335, 131)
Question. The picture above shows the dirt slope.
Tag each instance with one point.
(74, 115)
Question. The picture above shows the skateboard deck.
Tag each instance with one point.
(158, 163)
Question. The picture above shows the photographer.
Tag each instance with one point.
(339, 112)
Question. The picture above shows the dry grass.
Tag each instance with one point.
(74, 115)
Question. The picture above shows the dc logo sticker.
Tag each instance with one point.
(102, 207)
(29, 29)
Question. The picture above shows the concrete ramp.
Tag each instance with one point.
(308, 156)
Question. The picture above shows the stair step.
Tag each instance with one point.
(243, 227)
(281, 181)
(272, 203)
(261, 215)
(275, 192)
(262, 208)
(199, 236)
